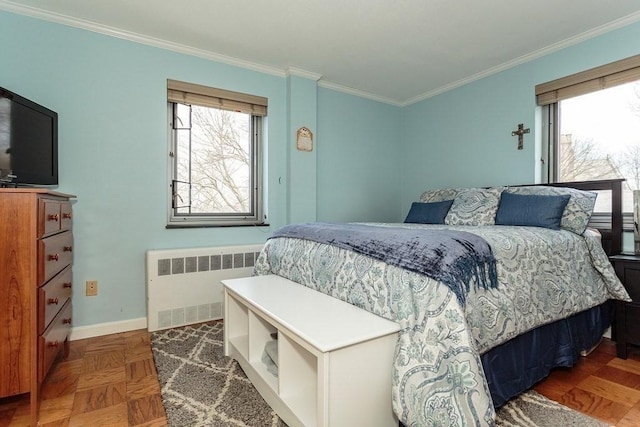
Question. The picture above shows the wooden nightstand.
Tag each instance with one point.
(627, 268)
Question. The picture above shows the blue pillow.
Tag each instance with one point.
(428, 213)
(531, 210)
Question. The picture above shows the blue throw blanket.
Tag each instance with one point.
(454, 258)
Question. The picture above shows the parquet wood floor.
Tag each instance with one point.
(600, 385)
(105, 381)
(112, 381)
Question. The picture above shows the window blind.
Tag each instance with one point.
(616, 73)
(194, 94)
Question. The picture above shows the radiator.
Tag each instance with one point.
(183, 285)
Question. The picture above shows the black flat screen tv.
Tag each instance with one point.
(28, 142)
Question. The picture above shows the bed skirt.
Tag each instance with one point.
(520, 363)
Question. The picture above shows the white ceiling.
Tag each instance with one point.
(396, 51)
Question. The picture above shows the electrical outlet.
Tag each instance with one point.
(92, 288)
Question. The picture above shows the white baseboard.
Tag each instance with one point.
(81, 332)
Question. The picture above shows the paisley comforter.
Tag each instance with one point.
(543, 275)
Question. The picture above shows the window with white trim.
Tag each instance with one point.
(215, 156)
(592, 128)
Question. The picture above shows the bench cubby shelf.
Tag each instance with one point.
(334, 359)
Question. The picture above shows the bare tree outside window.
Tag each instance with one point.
(634, 104)
(216, 141)
(600, 139)
(629, 163)
(215, 166)
(214, 156)
(582, 160)
(630, 160)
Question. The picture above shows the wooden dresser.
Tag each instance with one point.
(36, 254)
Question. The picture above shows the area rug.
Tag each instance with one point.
(202, 388)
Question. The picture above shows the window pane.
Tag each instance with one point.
(215, 157)
(181, 199)
(221, 161)
(600, 138)
(183, 155)
(183, 116)
(603, 202)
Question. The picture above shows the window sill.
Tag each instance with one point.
(201, 225)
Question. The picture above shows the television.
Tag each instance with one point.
(28, 142)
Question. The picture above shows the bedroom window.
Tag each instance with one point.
(592, 129)
(215, 156)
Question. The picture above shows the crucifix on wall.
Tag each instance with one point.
(520, 132)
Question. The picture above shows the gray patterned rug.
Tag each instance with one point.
(201, 387)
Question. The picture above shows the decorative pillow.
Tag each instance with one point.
(439, 195)
(428, 213)
(531, 209)
(474, 206)
(578, 211)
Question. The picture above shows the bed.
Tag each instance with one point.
(467, 346)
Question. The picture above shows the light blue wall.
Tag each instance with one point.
(463, 137)
(302, 179)
(371, 159)
(111, 98)
(358, 159)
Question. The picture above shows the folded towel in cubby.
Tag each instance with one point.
(270, 357)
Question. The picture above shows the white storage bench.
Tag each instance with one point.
(334, 359)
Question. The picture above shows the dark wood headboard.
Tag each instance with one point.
(611, 229)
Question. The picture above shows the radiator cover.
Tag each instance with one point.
(184, 285)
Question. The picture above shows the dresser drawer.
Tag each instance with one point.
(630, 273)
(53, 216)
(53, 340)
(52, 296)
(54, 253)
(632, 318)
(49, 217)
(66, 216)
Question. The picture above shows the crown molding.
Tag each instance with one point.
(58, 18)
(33, 12)
(179, 48)
(299, 72)
(359, 93)
(613, 25)
(135, 37)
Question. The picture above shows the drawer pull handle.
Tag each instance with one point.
(66, 285)
(53, 301)
(67, 249)
(53, 217)
(53, 344)
(66, 321)
(66, 215)
(53, 257)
